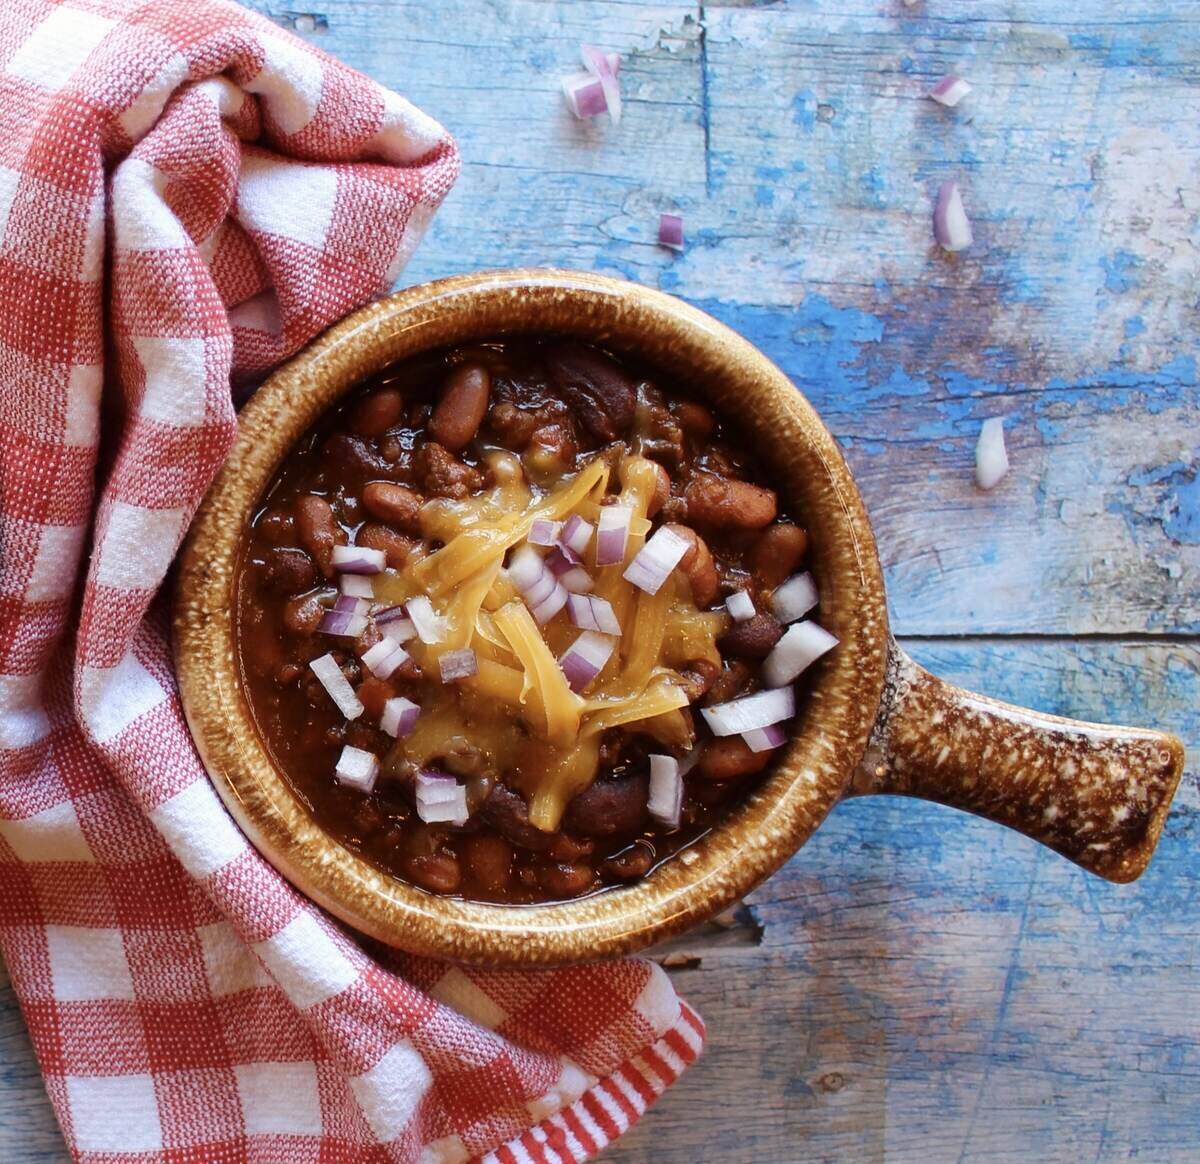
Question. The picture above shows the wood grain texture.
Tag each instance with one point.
(925, 987)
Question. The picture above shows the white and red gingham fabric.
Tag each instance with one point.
(187, 194)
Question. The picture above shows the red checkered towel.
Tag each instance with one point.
(238, 191)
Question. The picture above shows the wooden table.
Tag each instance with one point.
(916, 985)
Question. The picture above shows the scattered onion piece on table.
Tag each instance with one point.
(585, 95)
(357, 769)
(803, 643)
(613, 534)
(991, 457)
(358, 560)
(794, 598)
(670, 231)
(600, 65)
(461, 664)
(337, 685)
(666, 790)
(399, 716)
(585, 658)
(653, 563)
(751, 712)
(949, 91)
(951, 226)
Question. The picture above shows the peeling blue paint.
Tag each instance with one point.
(804, 110)
(764, 196)
(1134, 325)
(1120, 271)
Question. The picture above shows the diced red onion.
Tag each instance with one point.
(430, 626)
(542, 589)
(750, 712)
(399, 630)
(765, 739)
(795, 597)
(740, 606)
(525, 568)
(688, 762)
(383, 614)
(441, 799)
(560, 559)
(342, 623)
(670, 231)
(576, 535)
(357, 769)
(435, 787)
(585, 95)
(549, 606)
(357, 586)
(563, 563)
(951, 226)
(592, 613)
(950, 90)
(358, 560)
(337, 685)
(384, 658)
(584, 659)
(803, 643)
(654, 562)
(458, 664)
(348, 604)
(666, 790)
(598, 64)
(612, 534)
(991, 457)
(544, 532)
(399, 716)
(577, 581)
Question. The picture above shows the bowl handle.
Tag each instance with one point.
(1098, 795)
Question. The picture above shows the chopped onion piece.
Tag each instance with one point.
(750, 712)
(764, 739)
(950, 90)
(358, 560)
(357, 586)
(343, 623)
(591, 613)
(666, 790)
(441, 799)
(544, 532)
(585, 95)
(612, 534)
(576, 534)
(803, 643)
(430, 626)
(951, 227)
(458, 664)
(585, 658)
(794, 598)
(577, 580)
(384, 658)
(991, 457)
(670, 231)
(399, 716)
(435, 787)
(690, 760)
(541, 589)
(357, 769)
(330, 674)
(599, 64)
(525, 568)
(740, 606)
(549, 606)
(561, 559)
(348, 604)
(654, 562)
(399, 630)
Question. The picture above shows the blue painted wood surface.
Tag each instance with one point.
(916, 985)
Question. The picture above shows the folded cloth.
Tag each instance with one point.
(239, 191)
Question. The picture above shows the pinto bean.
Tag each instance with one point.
(318, 530)
(373, 415)
(698, 676)
(698, 566)
(351, 456)
(752, 639)
(609, 806)
(630, 864)
(289, 571)
(488, 860)
(395, 546)
(462, 406)
(568, 848)
(396, 504)
(729, 684)
(778, 553)
(444, 475)
(302, 614)
(566, 879)
(695, 420)
(728, 758)
(277, 527)
(600, 394)
(726, 504)
(437, 872)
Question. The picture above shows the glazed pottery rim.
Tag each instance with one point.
(804, 463)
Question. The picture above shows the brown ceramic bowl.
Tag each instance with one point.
(875, 722)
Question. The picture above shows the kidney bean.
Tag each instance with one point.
(395, 545)
(373, 415)
(288, 571)
(778, 553)
(609, 806)
(396, 504)
(752, 639)
(437, 872)
(698, 676)
(373, 693)
(488, 860)
(728, 758)
(288, 673)
(729, 684)
(318, 530)
(630, 864)
(512, 425)
(568, 848)
(566, 879)
(354, 458)
(444, 475)
(695, 420)
(600, 394)
(508, 814)
(277, 527)
(724, 503)
(462, 406)
(698, 566)
(302, 614)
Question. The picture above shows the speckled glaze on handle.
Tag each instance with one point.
(1098, 795)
